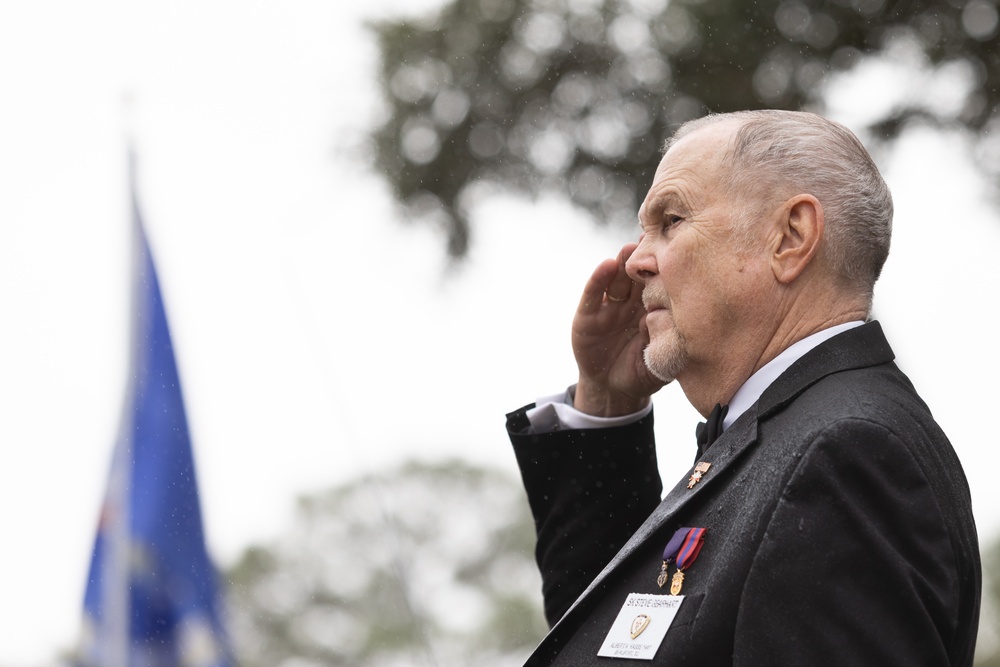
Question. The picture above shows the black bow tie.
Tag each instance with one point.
(708, 431)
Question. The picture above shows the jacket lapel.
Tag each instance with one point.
(736, 439)
(860, 347)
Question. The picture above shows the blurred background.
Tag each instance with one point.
(371, 223)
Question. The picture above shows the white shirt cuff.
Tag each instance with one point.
(556, 412)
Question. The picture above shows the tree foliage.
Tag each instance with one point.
(425, 565)
(577, 96)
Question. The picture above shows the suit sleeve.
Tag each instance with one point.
(589, 490)
(858, 564)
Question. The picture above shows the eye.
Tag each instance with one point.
(670, 220)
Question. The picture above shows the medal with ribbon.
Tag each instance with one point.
(683, 547)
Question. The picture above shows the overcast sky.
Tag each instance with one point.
(316, 335)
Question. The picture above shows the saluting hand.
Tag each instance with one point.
(609, 336)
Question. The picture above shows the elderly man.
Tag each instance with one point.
(826, 519)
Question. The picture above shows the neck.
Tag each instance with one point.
(718, 380)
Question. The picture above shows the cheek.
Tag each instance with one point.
(677, 269)
(703, 302)
(742, 283)
(686, 278)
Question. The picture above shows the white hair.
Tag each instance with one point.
(783, 153)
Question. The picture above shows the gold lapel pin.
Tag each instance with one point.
(699, 472)
(639, 623)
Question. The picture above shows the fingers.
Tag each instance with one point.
(610, 279)
(593, 292)
(621, 287)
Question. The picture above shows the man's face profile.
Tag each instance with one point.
(697, 289)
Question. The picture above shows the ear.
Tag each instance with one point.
(800, 226)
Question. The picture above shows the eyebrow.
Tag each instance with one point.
(666, 200)
(660, 203)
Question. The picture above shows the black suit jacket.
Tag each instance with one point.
(839, 527)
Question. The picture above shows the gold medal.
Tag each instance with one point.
(678, 581)
(682, 550)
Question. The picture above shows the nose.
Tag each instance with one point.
(641, 266)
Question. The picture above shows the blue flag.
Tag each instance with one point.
(152, 597)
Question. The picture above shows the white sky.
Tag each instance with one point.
(316, 336)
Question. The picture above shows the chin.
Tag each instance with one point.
(665, 357)
(665, 379)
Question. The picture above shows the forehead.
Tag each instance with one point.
(691, 170)
(703, 150)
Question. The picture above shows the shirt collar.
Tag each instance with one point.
(755, 385)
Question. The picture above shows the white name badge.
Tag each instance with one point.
(640, 626)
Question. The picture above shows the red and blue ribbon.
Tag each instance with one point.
(684, 547)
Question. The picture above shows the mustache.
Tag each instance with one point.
(654, 295)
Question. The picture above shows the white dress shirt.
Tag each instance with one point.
(556, 412)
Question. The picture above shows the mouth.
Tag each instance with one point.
(654, 299)
(652, 306)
